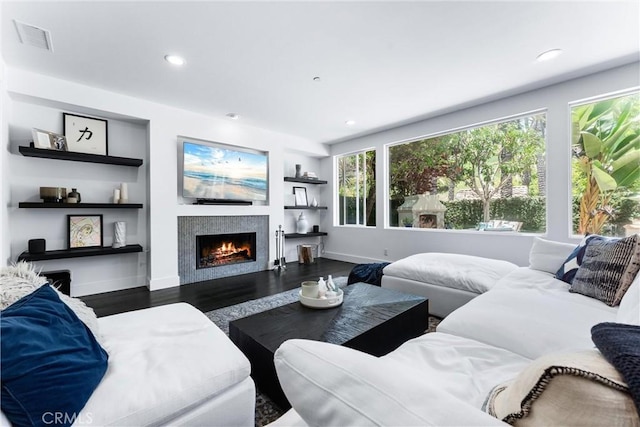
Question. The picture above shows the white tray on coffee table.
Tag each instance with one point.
(321, 303)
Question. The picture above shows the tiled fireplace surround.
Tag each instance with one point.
(191, 226)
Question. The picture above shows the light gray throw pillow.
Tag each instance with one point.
(547, 255)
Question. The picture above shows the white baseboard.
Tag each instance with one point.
(110, 285)
(351, 258)
(163, 283)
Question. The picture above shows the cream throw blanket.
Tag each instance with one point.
(21, 279)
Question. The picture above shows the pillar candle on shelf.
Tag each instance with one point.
(124, 193)
(116, 195)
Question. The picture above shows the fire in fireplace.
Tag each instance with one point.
(214, 250)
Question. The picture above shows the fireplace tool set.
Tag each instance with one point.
(280, 262)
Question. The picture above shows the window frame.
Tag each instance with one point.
(569, 138)
(449, 131)
(336, 169)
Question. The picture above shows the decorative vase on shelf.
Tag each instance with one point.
(74, 195)
(302, 225)
(314, 203)
(119, 234)
(298, 169)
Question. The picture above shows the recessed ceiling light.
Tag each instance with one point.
(350, 122)
(550, 54)
(174, 59)
(233, 116)
(316, 79)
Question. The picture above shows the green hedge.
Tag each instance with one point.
(531, 211)
(462, 214)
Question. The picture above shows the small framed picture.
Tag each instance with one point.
(48, 140)
(84, 231)
(301, 196)
(85, 134)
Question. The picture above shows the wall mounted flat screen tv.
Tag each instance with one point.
(213, 171)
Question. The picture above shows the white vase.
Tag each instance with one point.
(314, 202)
(119, 234)
(302, 225)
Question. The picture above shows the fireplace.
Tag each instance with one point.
(190, 228)
(215, 250)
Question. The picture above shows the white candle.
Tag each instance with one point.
(116, 195)
(124, 192)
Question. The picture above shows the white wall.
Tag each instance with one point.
(320, 192)
(163, 125)
(95, 182)
(4, 154)
(363, 245)
(30, 93)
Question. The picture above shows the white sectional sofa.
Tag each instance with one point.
(527, 319)
(448, 280)
(170, 365)
(167, 365)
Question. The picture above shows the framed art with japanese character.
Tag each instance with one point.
(85, 134)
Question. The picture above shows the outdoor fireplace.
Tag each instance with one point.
(214, 250)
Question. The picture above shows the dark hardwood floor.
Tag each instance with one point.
(213, 294)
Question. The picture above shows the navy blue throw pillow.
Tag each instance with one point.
(567, 272)
(367, 273)
(50, 361)
(619, 343)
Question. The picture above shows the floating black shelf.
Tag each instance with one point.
(41, 205)
(222, 202)
(304, 180)
(305, 207)
(78, 253)
(300, 235)
(78, 157)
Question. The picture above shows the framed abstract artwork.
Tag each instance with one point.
(84, 231)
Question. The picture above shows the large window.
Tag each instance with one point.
(357, 188)
(490, 177)
(605, 168)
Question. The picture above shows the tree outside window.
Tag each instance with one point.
(490, 177)
(605, 166)
(357, 188)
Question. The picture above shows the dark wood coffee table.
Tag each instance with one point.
(371, 319)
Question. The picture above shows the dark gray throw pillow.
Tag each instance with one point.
(608, 268)
(620, 345)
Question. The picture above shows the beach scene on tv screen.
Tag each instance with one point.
(222, 173)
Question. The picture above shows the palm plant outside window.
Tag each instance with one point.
(357, 188)
(605, 166)
(486, 177)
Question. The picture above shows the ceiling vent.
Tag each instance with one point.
(34, 36)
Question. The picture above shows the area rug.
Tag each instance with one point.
(223, 316)
(266, 410)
